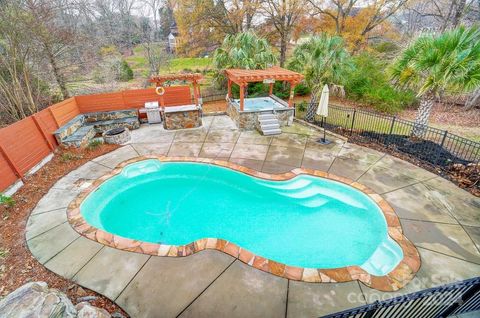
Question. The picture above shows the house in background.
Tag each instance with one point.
(173, 38)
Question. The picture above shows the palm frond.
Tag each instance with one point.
(449, 62)
(322, 59)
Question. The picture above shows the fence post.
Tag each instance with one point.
(44, 134)
(442, 143)
(353, 121)
(387, 142)
(54, 117)
(444, 137)
(12, 164)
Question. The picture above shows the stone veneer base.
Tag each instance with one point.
(396, 279)
(182, 119)
(117, 139)
(247, 120)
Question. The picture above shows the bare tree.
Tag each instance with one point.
(340, 10)
(116, 22)
(153, 9)
(233, 16)
(54, 39)
(437, 15)
(337, 10)
(155, 52)
(127, 22)
(20, 91)
(283, 14)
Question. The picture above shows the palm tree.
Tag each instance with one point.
(438, 65)
(323, 60)
(243, 50)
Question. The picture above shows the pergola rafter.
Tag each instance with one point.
(242, 77)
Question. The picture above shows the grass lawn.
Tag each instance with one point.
(190, 63)
(139, 63)
(363, 121)
(382, 124)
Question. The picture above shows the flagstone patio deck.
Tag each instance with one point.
(442, 220)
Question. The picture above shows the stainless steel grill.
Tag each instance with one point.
(153, 112)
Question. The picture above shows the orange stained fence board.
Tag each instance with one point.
(29, 141)
(137, 98)
(48, 124)
(177, 95)
(8, 176)
(24, 144)
(174, 96)
(100, 102)
(65, 110)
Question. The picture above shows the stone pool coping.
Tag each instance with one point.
(395, 280)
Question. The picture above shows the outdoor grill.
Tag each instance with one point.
(153, 112)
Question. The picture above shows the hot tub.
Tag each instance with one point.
(260, 104)
(247, 119)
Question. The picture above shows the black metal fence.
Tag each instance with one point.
(444, 301)
(435, 146)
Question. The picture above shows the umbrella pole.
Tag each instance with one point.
(324, 140)
(323, 126)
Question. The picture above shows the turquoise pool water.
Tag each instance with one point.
(307, 221)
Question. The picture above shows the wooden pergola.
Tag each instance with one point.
(242, 77)
(194, 78)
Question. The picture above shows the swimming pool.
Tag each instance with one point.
(259, 104)
(304, 221)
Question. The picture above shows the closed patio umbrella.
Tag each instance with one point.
(322, 110)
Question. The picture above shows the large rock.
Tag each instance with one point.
(85, 310)
(36, 300)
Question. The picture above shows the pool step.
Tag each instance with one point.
(268, 124)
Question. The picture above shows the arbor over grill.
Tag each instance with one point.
(194, 78)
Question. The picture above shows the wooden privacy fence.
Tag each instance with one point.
(27, 142)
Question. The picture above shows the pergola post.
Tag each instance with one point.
(195, 92)
(242, 96)
(229, 88)
(292, 91)
(270, 89)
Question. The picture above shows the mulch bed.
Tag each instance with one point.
(466, 177)
(420, 153)
(17, 265)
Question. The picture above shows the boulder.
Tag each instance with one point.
(85, 310)
(36, 300)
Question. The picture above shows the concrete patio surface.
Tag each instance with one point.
(442, 220)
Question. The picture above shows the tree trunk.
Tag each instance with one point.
(458, 13)
(56, 73)
(473, 100)
(423, 113)
(312, 107)
(283, 49)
